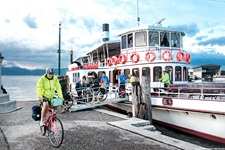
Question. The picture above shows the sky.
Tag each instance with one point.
(29, 29)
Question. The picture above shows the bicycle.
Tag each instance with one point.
(101, 94)
(53, 127)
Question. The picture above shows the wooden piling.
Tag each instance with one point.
(141, 99)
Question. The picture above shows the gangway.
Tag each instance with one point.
(77, 107)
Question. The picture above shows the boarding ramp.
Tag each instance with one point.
(113, 97)
(77, 107)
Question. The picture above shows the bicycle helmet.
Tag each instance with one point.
(50, 70)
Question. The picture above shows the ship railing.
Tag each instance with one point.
(149, 48)
(190, 93)
(157, 51)
(113, 92)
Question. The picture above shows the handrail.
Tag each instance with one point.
(202, 92)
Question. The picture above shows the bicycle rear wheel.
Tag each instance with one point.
(56, 132)
(102, 94)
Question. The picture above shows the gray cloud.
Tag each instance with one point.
(30, 21)
(220, 41)
(199, 38)
(190, 29)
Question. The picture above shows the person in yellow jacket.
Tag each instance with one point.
(45, 89)
(166, 80)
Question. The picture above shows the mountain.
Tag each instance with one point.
(23, 71)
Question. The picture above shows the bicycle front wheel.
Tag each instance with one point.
(56, 132)
(69, 103)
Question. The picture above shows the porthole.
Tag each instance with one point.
(186, 113)
(213, 117)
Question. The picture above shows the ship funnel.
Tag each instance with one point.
(105, 32)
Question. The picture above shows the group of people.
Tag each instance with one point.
(94, 83)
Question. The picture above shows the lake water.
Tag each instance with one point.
(21, 88)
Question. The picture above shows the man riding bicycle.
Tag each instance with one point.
(45, 89)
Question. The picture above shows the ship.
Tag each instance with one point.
(195, 108)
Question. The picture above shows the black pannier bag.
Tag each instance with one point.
(36, 113)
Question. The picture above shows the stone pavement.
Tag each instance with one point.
(86, 130)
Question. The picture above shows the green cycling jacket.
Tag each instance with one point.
(46, 87)
(165, 78)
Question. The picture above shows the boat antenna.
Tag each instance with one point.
(138, 18)
(159, 22)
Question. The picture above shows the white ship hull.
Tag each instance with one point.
(203, 118)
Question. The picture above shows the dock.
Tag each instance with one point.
(91, 129)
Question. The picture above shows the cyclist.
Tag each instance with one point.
(45, 89)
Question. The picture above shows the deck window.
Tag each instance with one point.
(157, 73)
(130, 40)
(146, 72)
(124, 42)
(164, 39)
(74, 80)
(175, 39)
(126, 72)
(177, 73)
(185, 72)
(136, 72)
(140, 38)
(153, 38)
(170, 72)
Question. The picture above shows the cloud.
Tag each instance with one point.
(190, 29)
(30, 29)
(220, 41)
(30, 21)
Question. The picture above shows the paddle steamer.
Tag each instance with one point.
(196, 108)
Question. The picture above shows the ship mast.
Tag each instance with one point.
(138, 18)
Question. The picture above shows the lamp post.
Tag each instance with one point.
(59, 50)
(1, 59)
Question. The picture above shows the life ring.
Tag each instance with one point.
(109, 61)
(134, 57)
(122, 59)
(114, 60)
(150, 56)
(180, 55)
(167, 52)
(188, 58)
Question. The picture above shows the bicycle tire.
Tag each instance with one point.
(69, 103)
(56, 132)
(102, 96)
(88, 98)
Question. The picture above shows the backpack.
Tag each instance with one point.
(36, 113)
